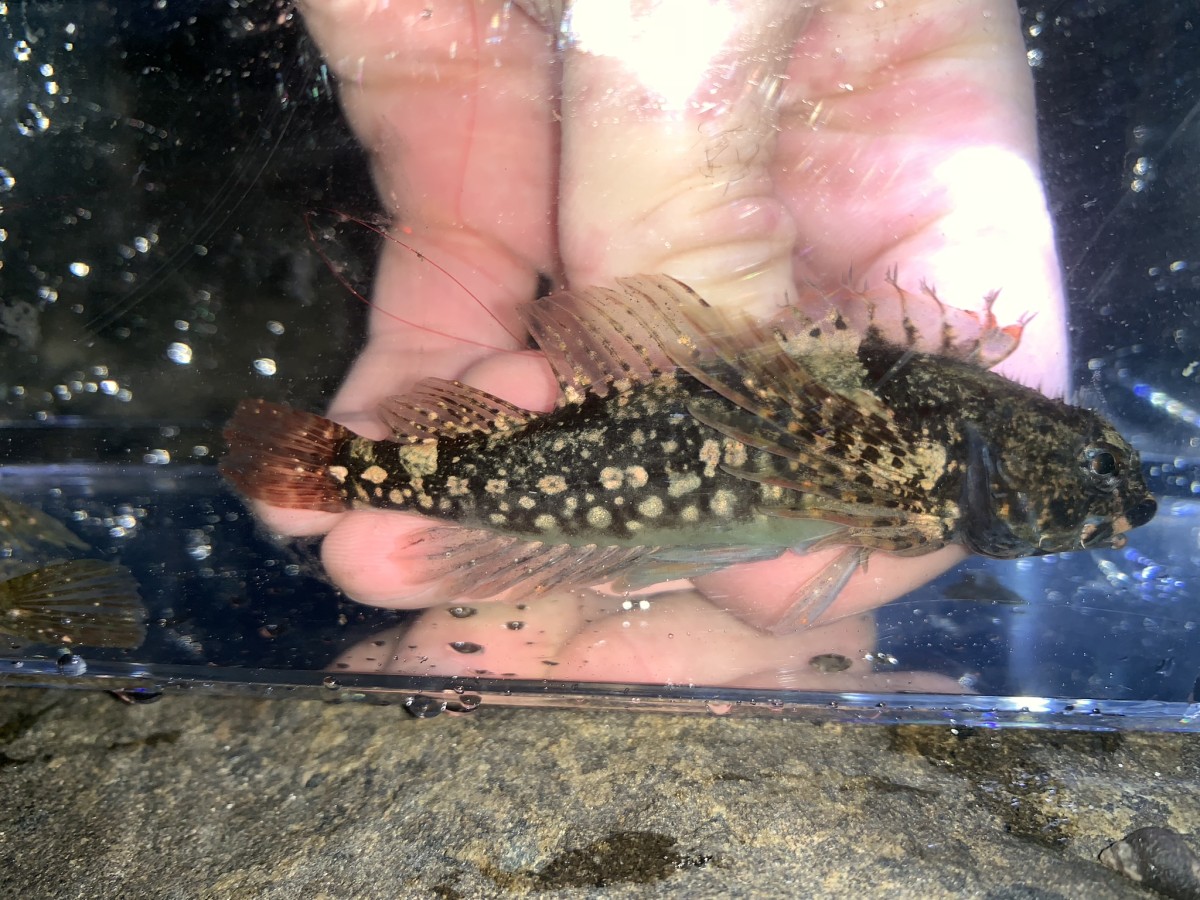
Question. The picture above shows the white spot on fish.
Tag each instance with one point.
(545, 522)
(552, 484)
(637, 476)
(526, 502)
(680, 483)
(599, 517)
(458, 487)
(735, 452)
(723, 503)
(651, 507)
(611, 477)
(496, 486)
(710, 455)
(338, 473)
(689, 514)
(374, 474)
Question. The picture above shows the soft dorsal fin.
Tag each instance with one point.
(436, 408)
(599, 339)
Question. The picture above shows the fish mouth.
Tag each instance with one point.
(1100, 534)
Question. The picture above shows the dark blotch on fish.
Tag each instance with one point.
(687, 440)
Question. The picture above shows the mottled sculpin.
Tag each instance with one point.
(687, 440)
(48, 598)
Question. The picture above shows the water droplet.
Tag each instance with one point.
(462, 612)
(514, 625)
(275, 327)
(464, 704)
(71, 664)
(465, 647)
(265, 366)
(422, 707)
(79, 269)
(7, 181)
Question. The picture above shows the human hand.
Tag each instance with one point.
(772, 150)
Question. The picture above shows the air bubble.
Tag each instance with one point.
(179, 353)
(79, 269)
(465, 647)
(514, 625)
(264, 366)
(462, 612)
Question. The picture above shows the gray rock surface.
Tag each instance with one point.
(220, 797)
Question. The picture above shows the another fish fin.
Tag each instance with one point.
(599, 339)
(921, 321)
(30, 531)
(436, 408)
(282, 455)
(84, 602)
(472, 563)
(671, 563)
(811, 600)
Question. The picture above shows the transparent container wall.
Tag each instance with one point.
(187, 220)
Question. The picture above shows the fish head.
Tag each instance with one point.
(1050, 483)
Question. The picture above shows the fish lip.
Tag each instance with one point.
(1140, 513)
(1100, 535)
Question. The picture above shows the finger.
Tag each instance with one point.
(779, 585)
(452, 101)
(669, 124)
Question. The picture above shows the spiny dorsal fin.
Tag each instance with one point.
(599, 339)
(436, 408)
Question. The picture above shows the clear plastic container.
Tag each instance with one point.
(187, 219)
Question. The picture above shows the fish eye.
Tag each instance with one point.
(1102, 463)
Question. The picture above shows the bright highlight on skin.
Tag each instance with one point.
(627, 32)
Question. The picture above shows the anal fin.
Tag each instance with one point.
(473, 563)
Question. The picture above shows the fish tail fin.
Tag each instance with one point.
(85, 602)
(282, 456)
